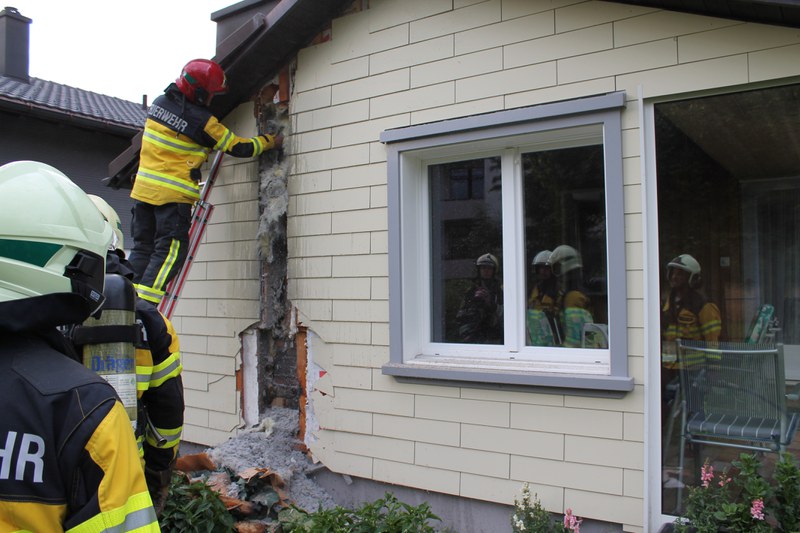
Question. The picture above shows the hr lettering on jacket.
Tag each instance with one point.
(30, 451)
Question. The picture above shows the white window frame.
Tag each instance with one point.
(507, 134)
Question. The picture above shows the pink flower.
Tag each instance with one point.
(571, 522)
(757, 509)
(706, 474)
(724, 481)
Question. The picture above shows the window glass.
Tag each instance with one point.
(466, 249)
(728, 184)
(565, 245)
(477, 277)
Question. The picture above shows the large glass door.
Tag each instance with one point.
(728, 197)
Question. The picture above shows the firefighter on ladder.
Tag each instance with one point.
(158, 376)
(68, 459)
(179, 134)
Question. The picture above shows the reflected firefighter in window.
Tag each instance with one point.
(480, 318)
(687, 314)
(575, 305)
(542, 314)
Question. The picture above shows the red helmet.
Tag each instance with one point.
(201, 79)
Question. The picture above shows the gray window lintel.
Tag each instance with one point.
(506, 118)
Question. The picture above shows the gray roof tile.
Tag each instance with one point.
(58, 98)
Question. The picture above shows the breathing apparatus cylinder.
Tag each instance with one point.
(108, 341)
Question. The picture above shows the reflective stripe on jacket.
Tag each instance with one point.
(178, 136)
(695, 319)
(159, 386)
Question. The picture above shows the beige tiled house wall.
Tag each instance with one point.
(405, 62)
(220, 299)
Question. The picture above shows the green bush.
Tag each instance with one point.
(386, 515)
(194, 508)
(740, 500)
(787, 493)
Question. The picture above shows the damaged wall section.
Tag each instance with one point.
(277, 354)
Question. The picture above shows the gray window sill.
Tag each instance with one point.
(545, 382)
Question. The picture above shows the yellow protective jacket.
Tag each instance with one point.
(575, 312)
(178, 137)
(68, 459)
(542, 317)
(544, 300)
(159, 388)
(692, 319)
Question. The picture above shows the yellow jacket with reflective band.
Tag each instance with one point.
(542, 318)
(540, 299)
(575, 312)
(693, 319)
(159, 387)
(178, 136)
(69, 446)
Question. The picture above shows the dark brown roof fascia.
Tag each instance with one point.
(773, 12)
(288, 27)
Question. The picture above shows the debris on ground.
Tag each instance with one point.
(261, 470)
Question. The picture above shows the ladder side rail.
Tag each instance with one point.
(175, 286)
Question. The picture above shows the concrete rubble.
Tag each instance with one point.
(262, 468)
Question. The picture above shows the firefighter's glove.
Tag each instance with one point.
(158, 486)
(275, 140)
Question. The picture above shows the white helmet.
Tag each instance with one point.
(688, 264)
(542, 258)
(118, 241)
(52, 238)
(487, 260)
(564, 259)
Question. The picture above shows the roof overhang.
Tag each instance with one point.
(253, 54)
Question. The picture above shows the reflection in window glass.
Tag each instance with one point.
(459, 195)
(728, 172)
(466, 252)
(565, 244)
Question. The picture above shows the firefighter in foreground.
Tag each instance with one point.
(68, 458)
(179, 134)
(158, 376)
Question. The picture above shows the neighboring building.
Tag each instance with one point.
(76, 131)
(425, 133)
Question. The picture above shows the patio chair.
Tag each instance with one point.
(764, 327)
(733, 395)
(594, 335)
